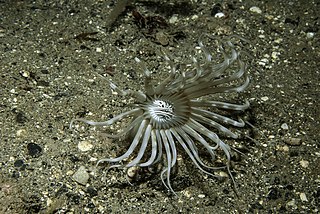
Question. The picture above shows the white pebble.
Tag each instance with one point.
(81, 176)
(278, 40)
(223, 174)
(255, 9)
(21, 132)
(201, 195)
(25, 74)
(284, 126)
(275, 55)
(173, 19)
(285, 148)
(264, 98)
(303, 197)
(219, 15)
(85, 146)
(310, 35)
(133, 171)
(304, 163)
(194, 17)
(263, 62)
(49, 202)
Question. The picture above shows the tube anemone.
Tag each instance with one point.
(180, 111)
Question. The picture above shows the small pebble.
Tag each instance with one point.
(194, 17)
(264, 98)
(291, 205)
(25, 74)
(34, 150)
(69, 172)
(255, 9)
(20, 164)
(278, 40)
(216, 9)
(187, 193)
(263, 62)
(21, 133)
(284, 126)
(85, 146)
(303, 197)
(310, 35)
(304, 163)
(284, 148)
(49, 202)
(81, 176)
(133, 171)
(223, 174)
(173, 19)
(92, 191)
(271, 136)
(293, 141)
(201, 195)
(219, 15)
(275, 54)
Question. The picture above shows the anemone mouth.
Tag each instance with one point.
(161, 111)
(168, 111)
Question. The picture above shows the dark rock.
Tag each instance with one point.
(34, 150)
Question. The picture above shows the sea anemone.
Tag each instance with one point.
(181, 110)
